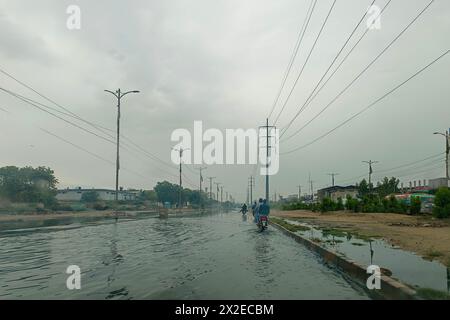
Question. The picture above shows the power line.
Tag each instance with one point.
(306, 61)
(370, 105)
(294, 53)
(89, 152)
(360, 74)
(69, 113)
(122, 145)
(309, 99)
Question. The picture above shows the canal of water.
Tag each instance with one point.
(212, 256)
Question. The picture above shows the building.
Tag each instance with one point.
(336, 192)
(437, 183)
(103, 194)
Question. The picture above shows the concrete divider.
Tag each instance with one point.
(390, 288)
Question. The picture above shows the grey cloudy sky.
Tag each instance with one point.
(221, 62)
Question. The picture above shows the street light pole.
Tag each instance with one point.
(447, 151)
(119, 95)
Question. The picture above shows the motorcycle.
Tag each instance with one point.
(263, 223)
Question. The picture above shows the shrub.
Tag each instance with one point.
(339, 204)
(441, 207)
(352, 204)
(89, 197)
(416, 205)
(327, 205)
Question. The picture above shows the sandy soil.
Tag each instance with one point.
(423, 235)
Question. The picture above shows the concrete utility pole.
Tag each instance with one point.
(370, 163)
(311, 187)
(210, 186)
(267, 127)
(299, 193)
(201, 176)
(332, 177)
(119, 95)
(217, 190)
(181, 150)
(447, 150)
(251, 184)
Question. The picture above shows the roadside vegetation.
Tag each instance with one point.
(34, 190)
(379, 199)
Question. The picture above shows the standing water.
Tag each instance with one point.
(216, 256)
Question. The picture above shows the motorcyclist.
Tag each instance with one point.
(264, 208)
(244, 209)
(260, 202)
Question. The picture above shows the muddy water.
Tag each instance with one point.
(405, 266)
(218, 256)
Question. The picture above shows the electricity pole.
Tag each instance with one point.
(447, 150)
(332, 177)
(370, 163)
(217, 190)
(221, 194)
(299, 193)
(181, 150)
(311, 187)
(201, 177)
(267, 136)
(119, 95)
(210, 187)
(251, 184)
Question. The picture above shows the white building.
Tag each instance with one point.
(103, 194)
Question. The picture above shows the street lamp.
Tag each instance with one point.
(119, 95)
(447, 151)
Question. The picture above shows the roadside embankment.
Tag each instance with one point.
(423, 235)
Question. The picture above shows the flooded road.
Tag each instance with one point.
(215, 256)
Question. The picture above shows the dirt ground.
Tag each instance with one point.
(424, 235)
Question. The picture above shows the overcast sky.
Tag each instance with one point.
(221, 62)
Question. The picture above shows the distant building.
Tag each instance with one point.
(103, 194)
(437, 183)
(337, 192)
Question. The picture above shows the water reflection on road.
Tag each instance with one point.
(216, 256)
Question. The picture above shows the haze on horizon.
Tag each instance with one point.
(221, 62)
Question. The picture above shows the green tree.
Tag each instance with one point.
(28, 184)
(441, 207)
(364, 188)
(148, 195)
(167, 192)
(388, 187)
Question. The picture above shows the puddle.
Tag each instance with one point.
(404, 265)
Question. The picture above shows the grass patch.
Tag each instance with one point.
(434, 254)
(326, 232)
(289, 226)
(357, 244)
(431, 294)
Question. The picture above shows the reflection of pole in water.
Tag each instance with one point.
(371, 252)
(448, 279)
